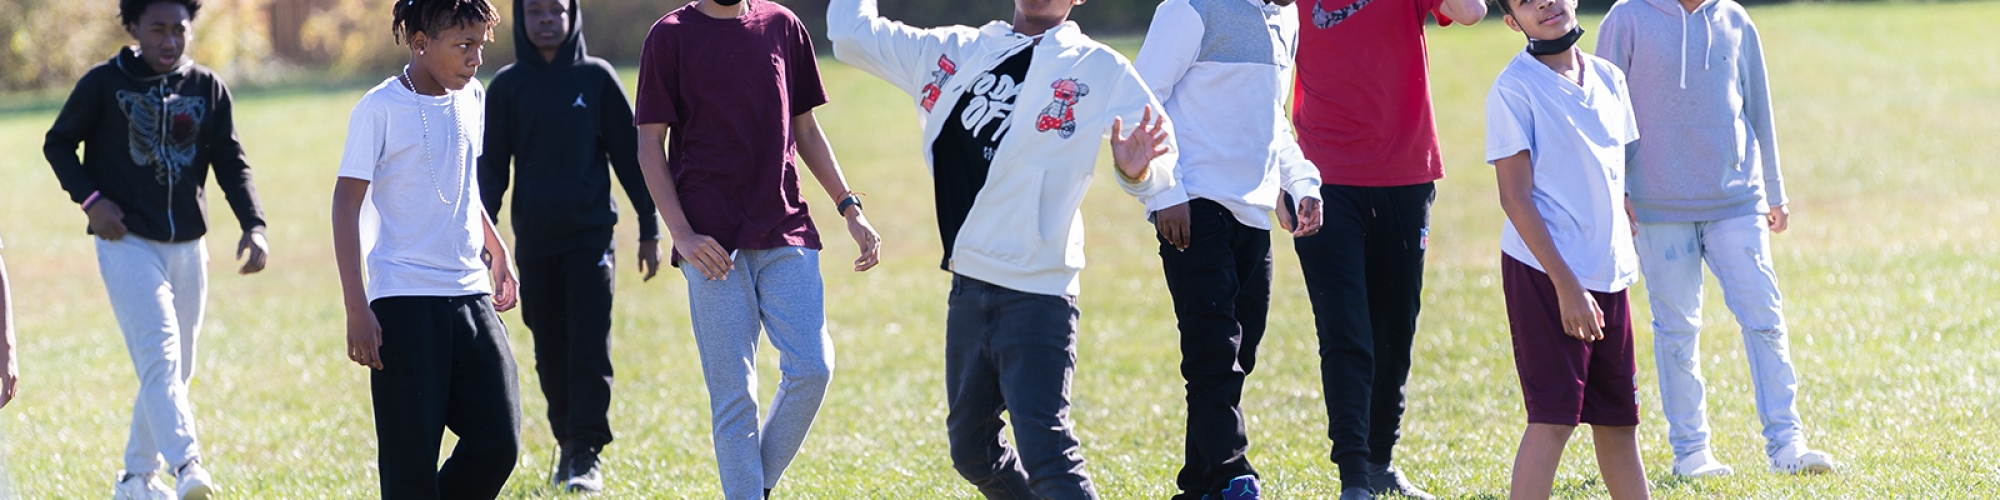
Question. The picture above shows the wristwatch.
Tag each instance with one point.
(849, 201)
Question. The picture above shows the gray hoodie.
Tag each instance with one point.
(1699, 91)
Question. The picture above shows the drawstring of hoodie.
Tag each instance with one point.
(1708, 34)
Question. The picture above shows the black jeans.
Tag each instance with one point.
(1364, 272)
(1221, 286)
(566, 302)
(1012, 351)
(445, 365)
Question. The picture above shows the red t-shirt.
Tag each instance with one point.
(728, 89)
(1363, 106)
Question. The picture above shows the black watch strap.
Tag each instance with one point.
(849, 201)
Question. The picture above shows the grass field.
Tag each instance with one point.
(1890, 122)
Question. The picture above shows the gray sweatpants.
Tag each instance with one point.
(158, 291)
(778, 290)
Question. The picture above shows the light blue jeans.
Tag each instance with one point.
(1738, 250)
(779, 293)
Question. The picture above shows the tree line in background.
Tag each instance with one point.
(50, 43)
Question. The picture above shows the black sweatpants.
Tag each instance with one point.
(1364, 272)
(1221, 286)
(566, 302)
(445, 365)
(1012, 351)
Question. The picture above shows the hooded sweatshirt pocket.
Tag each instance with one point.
(1700, 162)
(1004, 224)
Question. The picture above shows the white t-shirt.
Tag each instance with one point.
(1575, 137)
(421, 226)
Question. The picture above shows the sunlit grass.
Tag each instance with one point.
(1888, 118)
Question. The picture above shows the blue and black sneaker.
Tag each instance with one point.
(1242, 488)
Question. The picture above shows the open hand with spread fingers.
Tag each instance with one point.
(1134, 154)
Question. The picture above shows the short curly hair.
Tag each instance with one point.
(130, 10)
(432, 16)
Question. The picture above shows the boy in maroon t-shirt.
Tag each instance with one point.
(742, 236)
(1363, 115)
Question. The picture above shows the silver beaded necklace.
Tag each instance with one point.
(457, 140)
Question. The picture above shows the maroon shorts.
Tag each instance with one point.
(1566, 381)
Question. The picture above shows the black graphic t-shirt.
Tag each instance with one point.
(964, 149)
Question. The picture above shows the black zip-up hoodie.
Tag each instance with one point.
(149, 140)
(565, 126)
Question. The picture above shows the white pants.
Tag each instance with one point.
(157, 291)
(1738, 250)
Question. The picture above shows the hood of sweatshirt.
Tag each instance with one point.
(572, 51)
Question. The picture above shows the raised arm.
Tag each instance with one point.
(890, 50)
(1466, 12)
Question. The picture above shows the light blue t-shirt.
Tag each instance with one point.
(1575, 137)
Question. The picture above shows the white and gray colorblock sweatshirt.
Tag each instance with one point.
(1223, 70)
(1703, 102)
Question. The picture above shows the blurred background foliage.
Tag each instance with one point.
(47, 44)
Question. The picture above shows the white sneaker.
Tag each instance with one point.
(1700, 464)
(193, 482)
(1795, 458)
(140, 487)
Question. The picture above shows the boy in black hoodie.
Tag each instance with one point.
(561, 118)
(152, 124)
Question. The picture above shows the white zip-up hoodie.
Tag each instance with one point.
(1223, 68)
(1025, 229)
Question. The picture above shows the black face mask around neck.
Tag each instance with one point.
(1556, 46)
(727, 3)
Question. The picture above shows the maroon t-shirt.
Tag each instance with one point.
(728, 89)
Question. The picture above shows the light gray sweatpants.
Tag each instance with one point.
(778, 290)
(158, 290)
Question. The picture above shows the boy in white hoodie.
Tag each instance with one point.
(1706, 188)
(1223, 68)
(1008, 196)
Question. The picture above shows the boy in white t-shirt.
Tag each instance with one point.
(1558, 123)
(408, 199)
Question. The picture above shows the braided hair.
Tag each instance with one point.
(432, 16)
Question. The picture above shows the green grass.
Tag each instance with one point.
(1888, 114)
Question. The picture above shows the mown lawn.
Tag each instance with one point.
(1889, 115)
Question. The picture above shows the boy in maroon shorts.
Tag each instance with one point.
(1557, 125)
